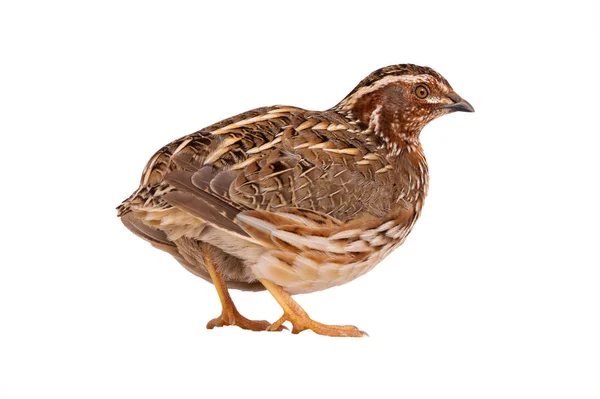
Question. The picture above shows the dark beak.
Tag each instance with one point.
(458, 104)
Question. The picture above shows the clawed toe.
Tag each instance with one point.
(236, 319)
(300, 323)
(329, 330)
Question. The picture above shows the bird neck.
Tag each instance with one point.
(397, 134)
(387, 120)
(387, 124)
(412, 173)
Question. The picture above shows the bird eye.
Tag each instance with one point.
(421, 91)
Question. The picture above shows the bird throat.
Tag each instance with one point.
(395, 131)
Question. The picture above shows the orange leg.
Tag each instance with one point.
(293, 313)
(230, 315)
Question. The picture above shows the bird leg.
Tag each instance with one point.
(300, 320)
(230, 315)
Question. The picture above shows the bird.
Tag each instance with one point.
(295, 201)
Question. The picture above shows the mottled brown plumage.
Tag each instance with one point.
(294, 200)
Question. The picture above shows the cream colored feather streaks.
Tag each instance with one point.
(284, 157)
(305, 199)
(305, 256)
(291, 200)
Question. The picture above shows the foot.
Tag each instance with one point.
(301, 322)
(234, 318)
(294, 313)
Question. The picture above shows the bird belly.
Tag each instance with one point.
(310, 272)
(316, 267)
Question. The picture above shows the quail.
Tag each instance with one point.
(295, 201)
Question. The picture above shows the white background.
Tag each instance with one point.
(494, 295)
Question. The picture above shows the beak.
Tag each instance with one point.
(458, 104)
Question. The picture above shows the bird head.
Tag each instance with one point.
(397, 101)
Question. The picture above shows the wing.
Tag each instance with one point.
(269, 159)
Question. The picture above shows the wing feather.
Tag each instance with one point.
(269, 159)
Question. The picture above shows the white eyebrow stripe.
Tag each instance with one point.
(350, 101)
